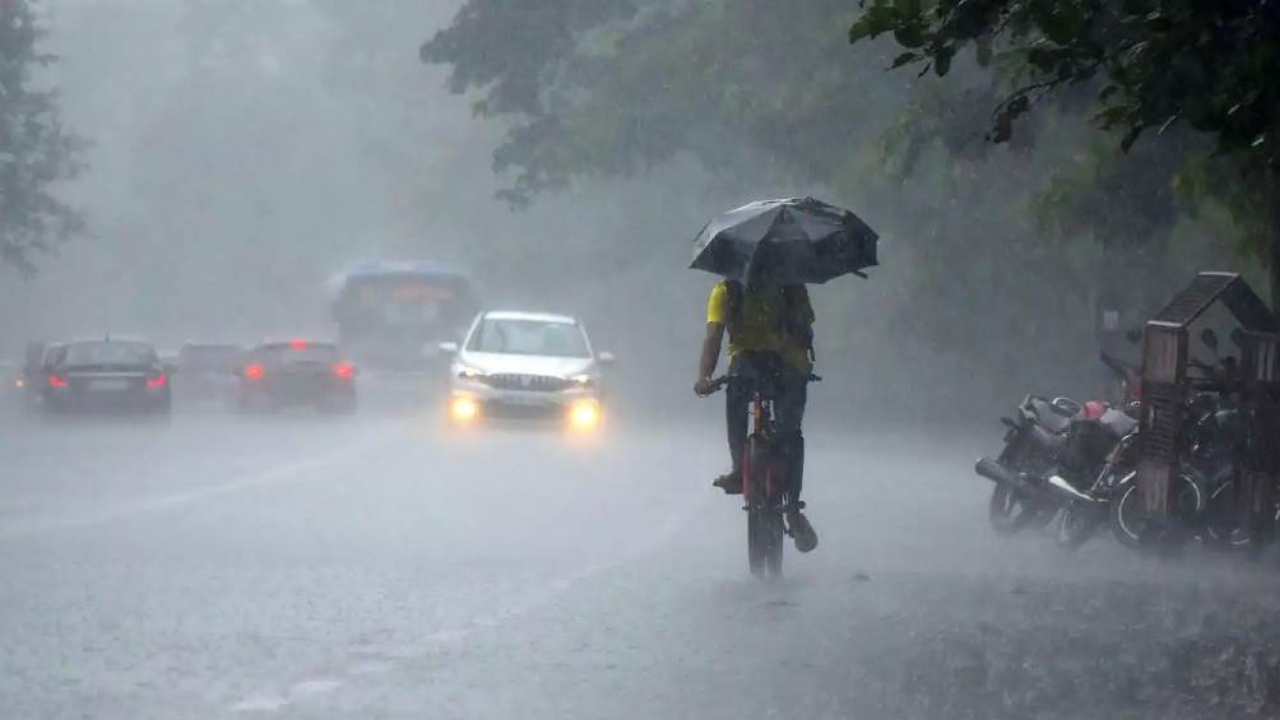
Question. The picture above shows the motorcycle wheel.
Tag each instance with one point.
(1220, 517)
(1131, 528)
(1010, 512)
(1076, 524)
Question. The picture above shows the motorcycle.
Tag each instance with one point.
(1212, 442)
(1203, 494)
(1055, 453)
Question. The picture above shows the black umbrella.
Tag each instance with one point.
(781, 242)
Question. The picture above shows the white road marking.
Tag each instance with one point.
(319, 686)
(372, 667)
(297, 471)
(260, 704)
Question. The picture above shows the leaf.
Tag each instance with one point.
(983, 51)
(909, 35)
(1064, 24)
(942, 61)
(1112, 116)
(905, 59)
(863, 28)
(1130, 137)
(876, 21)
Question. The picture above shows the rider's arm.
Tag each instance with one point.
(710, 350)
(717, 314)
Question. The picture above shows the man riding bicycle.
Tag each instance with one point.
(770, 338)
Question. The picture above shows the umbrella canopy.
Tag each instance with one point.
(780, 242)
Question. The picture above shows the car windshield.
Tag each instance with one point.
(298, 352)
(529, 337)
(209, 357)
(109, 352)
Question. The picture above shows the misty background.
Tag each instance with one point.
(244, 150)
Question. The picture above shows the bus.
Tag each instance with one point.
(394, 315)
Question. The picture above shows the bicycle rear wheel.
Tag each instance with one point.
(765, 529)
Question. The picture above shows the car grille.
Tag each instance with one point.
(503, 411)
(530, 383)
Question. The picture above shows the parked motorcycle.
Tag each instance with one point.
(1203, 497)
(1055, 452)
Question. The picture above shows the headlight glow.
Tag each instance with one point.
(585, 415)
(463, 409)
(582, 380)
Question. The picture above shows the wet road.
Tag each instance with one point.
(377, 567)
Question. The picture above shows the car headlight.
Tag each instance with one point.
(470, 373)
(463, 409)
(582, 381)
(585, 415)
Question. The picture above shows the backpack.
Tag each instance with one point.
(794, 297)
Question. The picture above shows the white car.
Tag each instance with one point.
(526, 366)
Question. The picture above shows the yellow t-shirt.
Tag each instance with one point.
(760, 328)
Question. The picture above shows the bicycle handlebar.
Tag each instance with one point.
(718, 384)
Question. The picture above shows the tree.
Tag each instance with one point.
(767, 99)
(36, 151)
(1150, 65)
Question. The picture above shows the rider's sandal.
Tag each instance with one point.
(801, 530)
(730, 483)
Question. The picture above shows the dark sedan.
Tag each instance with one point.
(108, 375)
(297, 373)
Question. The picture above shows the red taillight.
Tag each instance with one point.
(345, 370)
(298, 344)
(57, 381)
(254, 372)
(157, 382)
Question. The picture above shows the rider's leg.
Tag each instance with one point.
(789, 412)
(737, 397)
(795, 466)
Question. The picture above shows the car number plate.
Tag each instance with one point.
(109, 385)
(525, 401)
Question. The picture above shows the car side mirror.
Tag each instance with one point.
(1210, 339)
(448, 348)
(606, 358)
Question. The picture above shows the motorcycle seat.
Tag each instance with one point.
(1051, 417)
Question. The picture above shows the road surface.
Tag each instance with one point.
(378, 567)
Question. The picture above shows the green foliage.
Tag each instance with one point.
(746, 87)
(36, 152)
(1214, 66)
(768, 98)
(1152, 67)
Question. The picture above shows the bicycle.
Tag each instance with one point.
(765, 486)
